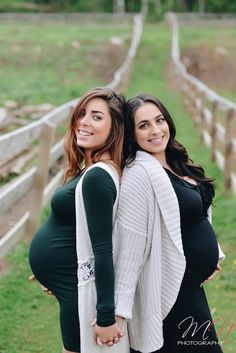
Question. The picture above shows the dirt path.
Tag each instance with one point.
(214, 66)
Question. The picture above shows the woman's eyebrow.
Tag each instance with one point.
(146, 121)
(97, 111)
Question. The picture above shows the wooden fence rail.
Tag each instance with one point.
(15, 142)
(34, 180)
(213, 115)
(102, 17)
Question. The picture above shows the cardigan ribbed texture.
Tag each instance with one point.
(87, 297)
(148, 253)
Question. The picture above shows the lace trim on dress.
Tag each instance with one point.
(86, 271)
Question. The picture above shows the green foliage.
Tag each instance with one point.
(89, 6)
(133, 5)
(220, 6)
(66, 5)
(216, 6)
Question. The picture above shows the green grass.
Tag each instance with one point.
(28, 318)
(41, 63)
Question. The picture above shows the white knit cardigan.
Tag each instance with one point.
(87, 296)
(148, 253)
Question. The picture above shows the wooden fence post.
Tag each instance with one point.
(40, 180)
(228, 155)
(196, 106)
(192, 95)
(190, 99)
(181, 84)
(188, 96)
(201, 115)
(213, 131)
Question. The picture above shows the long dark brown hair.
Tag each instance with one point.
(114, 142)
(176, 154)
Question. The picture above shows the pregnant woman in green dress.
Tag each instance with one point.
(71, 253)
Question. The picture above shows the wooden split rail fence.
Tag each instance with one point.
(213, 115)
(35, 180)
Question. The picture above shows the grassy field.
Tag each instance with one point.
(217, 44)
(28, 319)
(56, 62)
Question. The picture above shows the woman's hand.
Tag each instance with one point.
(44, 289)
(120, 322)
(217, 270)
(110, 334)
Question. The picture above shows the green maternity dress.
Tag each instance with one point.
(53, 258)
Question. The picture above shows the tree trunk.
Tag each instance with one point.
(201, 6)
(131, 5)
(171, 5)
(183, 5)
(119, 6)
(158, 6)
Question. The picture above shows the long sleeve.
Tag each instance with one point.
(130, 237)
(99, 193)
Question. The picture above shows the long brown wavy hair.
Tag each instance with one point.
(176, 154)
(113, 144)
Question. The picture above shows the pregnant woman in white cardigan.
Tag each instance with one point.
(165, 246)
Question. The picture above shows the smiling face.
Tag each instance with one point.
(151, 130)
(93, 126)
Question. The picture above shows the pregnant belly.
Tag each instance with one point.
(52, 257)
(201, 249)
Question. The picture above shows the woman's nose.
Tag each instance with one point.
(155, 129)
(84, 120)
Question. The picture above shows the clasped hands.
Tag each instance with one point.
(108, 335)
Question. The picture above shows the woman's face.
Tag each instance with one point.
(93, 125)
(151, 130)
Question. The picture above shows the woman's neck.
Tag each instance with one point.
(88, 160)
(162, 160)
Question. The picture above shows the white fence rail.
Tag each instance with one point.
(219, 135)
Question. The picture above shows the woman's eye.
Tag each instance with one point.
(97, 117)
(160, 120)
(143, 126)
